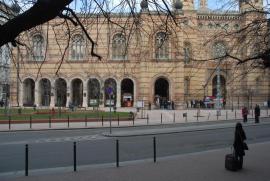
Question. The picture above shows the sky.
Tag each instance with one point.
(108, 4)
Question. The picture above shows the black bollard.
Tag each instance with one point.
(30, 122)
(154, 149)
(85, 119)
(235, 114)
(161, 118)
(26, 160)
(118, 119)
(50, 121)
(174, 117)
(117, 153)
(9, 122)
(102, 120)
(74, 157)
(147, 119)
(133, 120)
(226, 115)
(68, 121)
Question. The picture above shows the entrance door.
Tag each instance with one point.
(161, 93)
(127, 93)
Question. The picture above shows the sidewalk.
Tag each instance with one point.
(155, 117)
(202, 166)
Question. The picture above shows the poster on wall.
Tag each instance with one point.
(140, 104)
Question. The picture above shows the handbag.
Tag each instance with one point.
(245, 146)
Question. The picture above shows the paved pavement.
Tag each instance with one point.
(203, 166)
(155, 117)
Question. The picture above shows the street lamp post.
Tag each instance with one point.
(218, 90)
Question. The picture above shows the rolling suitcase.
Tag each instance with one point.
(231, 162)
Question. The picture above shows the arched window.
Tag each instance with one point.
(187, 52)
(161, 46)
(38, 47)
(78, 47)
(119, 50)
(219, 50)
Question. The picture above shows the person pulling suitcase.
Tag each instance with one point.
(234, 161)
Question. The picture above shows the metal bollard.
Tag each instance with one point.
(50, 121)
(133, 120)
(26, 160)
(174, 117)
(74, 157)
(85, 119)
(226, 115)
(217, 115)
(9, 122)
(235, 114)
(117, 153)
(30, 122)
(161, 118)
(147, 119)
(102, 120)
(118, 119)
(154, 149)
(68, 121)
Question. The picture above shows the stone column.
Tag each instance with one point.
(118, 93)
(68, 94)
(85, 94)
(52, 103)
(20, 94)
(36, 93)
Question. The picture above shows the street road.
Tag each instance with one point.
(50, 149)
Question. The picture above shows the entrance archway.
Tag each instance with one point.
(28, 92)
(161, 92)
(127, 93)
(222, 87)
(77, 92)
(93, 92)
(61, 93)
(44, 92)
(110, 87)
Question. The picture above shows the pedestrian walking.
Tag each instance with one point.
(244, 114)
(257, 113)
(239, 145)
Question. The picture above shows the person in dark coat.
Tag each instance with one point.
(257, 113)
(239, 137)
(244, 114)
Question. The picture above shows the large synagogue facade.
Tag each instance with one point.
(149, 56)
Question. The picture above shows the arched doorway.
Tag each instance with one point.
(28, 92)
(77, 92)
(93, 92)
(161, 92)
(127, 93)
(222, 87)
(110, 90)
(44, 92)
(61, 93)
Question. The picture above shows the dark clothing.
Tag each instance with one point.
(244, 114)
(257, 113)
(239, 151)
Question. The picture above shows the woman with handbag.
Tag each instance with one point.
(239, 144)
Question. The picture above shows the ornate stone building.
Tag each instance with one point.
(148, 57)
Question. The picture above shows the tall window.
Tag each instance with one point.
(186, 85)
(187, 52)
(219, 50)
(161, 46)
(77, 47)
(119, 51)
(38, 48)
